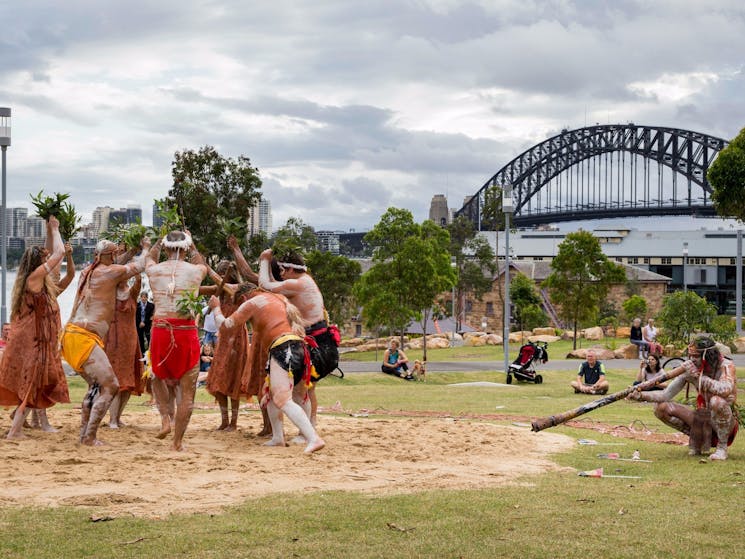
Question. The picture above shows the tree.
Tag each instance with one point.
(335, 277)
(295, 235)
(526, 300)
(208, 187)
(473, 256)
(581, 277)
(411, 266)
(682, 314)
(727, 178)
(634, 307)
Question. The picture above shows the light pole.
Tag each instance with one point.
(4, 143)
(685, 261)
(454, 265)
(507, 209)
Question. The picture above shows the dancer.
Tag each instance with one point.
(31, 374)
(279, 325)
(301, 290)
(174, 340)
(82, 340)
(123, 349)
(231, 354)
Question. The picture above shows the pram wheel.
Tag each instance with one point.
(538, 379)
(509, 379)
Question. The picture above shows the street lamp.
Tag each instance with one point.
(507, 209)
(685, 261)
(4, 143)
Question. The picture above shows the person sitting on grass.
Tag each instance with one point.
(648, 369)
(395, 362)
(591, 376)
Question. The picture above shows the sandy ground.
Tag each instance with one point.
(136, 474)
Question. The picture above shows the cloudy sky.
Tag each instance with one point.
(346, 107)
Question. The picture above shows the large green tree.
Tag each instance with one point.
(527, 302)
(727, 178)
(475, 263)
(682, 314)
(411, 266)
(581, 276)
(335, 277)
(209, 188)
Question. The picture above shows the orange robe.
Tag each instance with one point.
(31, 368)
(123, 347)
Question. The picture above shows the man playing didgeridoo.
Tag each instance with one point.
(714, 378)
(279, 325)
(174, 340)
(82, 340)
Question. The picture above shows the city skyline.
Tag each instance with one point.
(345, 110)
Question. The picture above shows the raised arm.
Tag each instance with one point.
(243, 267)
(288, 287)
(137, 265)
(70, 275)
(126, 256)
(153, 255)
(239, 316)
(195, 257)
(36, 278)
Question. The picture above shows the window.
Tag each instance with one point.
(489, 308)
(666, 260)
(646, 261)
(702, 276)
(469, 305)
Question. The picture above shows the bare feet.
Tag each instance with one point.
(92, 442)
(49, 429)
(231, 428)
(178, 447)
(265, 432)
(313, 446)
(15, 436)
(163, 433)
(275, 442)
(299, 439)
(222, 427)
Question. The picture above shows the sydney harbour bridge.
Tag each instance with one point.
(602, 171)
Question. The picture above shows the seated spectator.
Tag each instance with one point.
(650, 368)
(395, 362)
(205, 362)
(649, 334)
(637, 338)
(591, 376)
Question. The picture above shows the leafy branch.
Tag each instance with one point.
(189, 304)
(48, 205)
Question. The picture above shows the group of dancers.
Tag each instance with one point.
(292, 345)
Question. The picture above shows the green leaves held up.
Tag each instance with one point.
(69, 221)
(48, 205)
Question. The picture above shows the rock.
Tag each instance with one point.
(351, 342)
(567, 335)
(544, 338)
(594, 333)
(519, 337)
(468, 335)
(475, 341)
(629, 351)
(438, 343)
(493, 339)
(544, 331)
(370, 346)
(724, 350)
(740, 345)
(623, 332)
(603, 354)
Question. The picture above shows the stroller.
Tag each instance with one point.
(523, 368)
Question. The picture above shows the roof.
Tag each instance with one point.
(446, 324)
(539, 270)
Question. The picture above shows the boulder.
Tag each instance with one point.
(475, 341)
(602, 353)
(628, 351)
(623, 332)
(351, 342)
(544, 338)
(724, 350)
(740, 345)
(567, 335)
(370, 346)
(519, 337)
(468, 335)
(594, 333)
(493, 339)
(544, 331)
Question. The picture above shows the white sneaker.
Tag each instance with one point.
(720, 454)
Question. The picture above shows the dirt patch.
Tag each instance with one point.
(137, 474)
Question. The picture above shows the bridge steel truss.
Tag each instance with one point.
(584, 174)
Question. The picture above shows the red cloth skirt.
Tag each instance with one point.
(174, 347)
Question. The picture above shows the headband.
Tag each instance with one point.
(293, 266)
(183, 244)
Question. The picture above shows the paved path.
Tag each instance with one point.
(462, 366)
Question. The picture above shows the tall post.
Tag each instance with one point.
(685, 261)
(4, 143)
(738, 284)
(507, 209)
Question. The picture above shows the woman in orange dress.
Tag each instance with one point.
(31, 374)
(231, 355)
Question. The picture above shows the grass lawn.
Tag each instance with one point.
(680, 507)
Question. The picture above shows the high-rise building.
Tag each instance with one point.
(157, 218)
(438, 210)
(101, 219)
(134, 213)
(260, 218)
(328, 241)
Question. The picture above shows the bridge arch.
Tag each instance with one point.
(573, 175)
